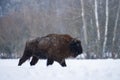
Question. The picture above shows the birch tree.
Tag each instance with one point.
(115, 30)
(84, 22)
(97, 22)
(98, 29)
(106, 27)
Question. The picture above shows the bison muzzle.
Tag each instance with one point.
(53, 47)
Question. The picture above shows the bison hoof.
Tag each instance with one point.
(34, 61)
(63, 64)
(49, 62)
(31, 64)
(19, 64)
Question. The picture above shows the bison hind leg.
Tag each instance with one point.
(34, 60)
(50, 62)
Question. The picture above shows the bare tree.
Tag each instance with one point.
(97, 21)
(84, 22)
(106, 27)
(98, 30)
(115, 31)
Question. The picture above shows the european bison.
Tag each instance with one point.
(53, 47)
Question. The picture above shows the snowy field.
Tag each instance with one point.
(76, 70)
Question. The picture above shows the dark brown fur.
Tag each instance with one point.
(53, 47)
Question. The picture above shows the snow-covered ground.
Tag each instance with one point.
(76, 70)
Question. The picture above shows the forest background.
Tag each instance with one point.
(95, 22)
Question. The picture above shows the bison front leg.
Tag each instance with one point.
(34, 60)
(49, 61)
(63, 63)
(23, 59)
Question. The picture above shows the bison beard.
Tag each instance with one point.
(53, 47)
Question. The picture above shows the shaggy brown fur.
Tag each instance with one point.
(53, 47)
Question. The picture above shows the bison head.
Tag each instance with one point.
(75, 47)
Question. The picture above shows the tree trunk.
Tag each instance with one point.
(115, 31)
(98, 30)
(106, 28)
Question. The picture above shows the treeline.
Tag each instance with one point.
(12, 34)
